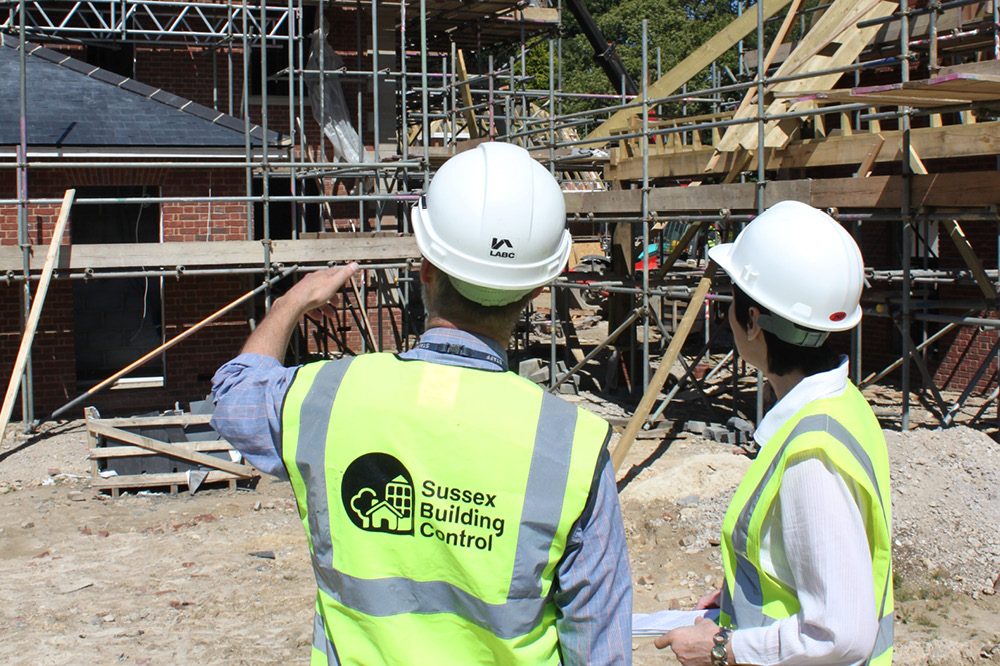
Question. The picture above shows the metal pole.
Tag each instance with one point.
(552, 288)
(27, 390)
(645, 206)
(761, 172)
(265, 168)
(248, 174)
(423, 92)
(907, 236)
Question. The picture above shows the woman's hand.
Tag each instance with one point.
(710, 600)
(692, 645)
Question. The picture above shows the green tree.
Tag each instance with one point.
(675, 27)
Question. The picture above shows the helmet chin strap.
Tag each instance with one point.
(790, 333)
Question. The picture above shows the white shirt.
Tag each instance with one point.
(813, 539)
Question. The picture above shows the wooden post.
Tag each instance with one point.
(751, 93)
(692, 312)
(466, 93)
(36, 311)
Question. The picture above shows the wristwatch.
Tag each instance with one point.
(721, 639)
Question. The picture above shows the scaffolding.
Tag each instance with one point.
(630, 174)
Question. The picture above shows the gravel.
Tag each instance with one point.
(946, 506)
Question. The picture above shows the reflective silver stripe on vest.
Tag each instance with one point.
(543, 496)
(310, 456)
(746, 604)
(322, 643)
(883, 641)
(540, 514)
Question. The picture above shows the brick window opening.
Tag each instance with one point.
(117, 320)
(284, 216)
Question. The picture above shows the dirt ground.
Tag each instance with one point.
(223, 577)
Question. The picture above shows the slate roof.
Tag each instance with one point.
(74, 104)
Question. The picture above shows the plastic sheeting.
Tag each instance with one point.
(329, 107)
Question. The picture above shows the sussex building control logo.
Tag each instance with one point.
(378, 494)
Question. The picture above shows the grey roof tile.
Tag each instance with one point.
(137, 87)
(78, 66)
(202, 112)
(170, 99)
(69, 108)
(107, 77)
(49, 54)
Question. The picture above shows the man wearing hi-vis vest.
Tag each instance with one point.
(806, 540)
(455, 512)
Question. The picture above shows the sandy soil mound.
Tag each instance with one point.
(946, 506)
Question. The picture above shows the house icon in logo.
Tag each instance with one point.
(392, 514)
(377, 492)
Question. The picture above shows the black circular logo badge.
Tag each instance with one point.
(378, 494)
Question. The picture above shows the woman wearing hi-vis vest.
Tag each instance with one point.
(805, 541)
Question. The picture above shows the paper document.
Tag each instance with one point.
(654, 624)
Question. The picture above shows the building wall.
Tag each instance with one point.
(180, 221)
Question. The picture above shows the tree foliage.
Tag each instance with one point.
(675, 28)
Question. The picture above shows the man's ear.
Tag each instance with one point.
(537, 291)
(426, 272)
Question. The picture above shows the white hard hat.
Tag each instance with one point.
(799, 263)
(494, 220)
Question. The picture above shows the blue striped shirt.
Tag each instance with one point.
(593, 588)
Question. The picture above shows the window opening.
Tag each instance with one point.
(116, 320)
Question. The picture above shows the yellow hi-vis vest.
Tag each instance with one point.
(437, 501)
(845, 431)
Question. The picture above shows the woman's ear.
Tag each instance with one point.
(753, 328)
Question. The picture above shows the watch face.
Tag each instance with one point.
(719, 654)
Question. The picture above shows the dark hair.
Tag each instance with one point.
(784, 357)
(449, 304)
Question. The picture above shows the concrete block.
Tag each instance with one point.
(716, 433)
(529, 366)
(695, 427)
(740, 425)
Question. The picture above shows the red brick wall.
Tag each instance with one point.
(181, 221)
(190, 364)
(954, 358)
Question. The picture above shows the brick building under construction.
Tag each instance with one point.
(214, 147)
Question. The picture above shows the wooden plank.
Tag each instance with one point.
(931, 143)
(466, 95)
(243, 471)
(691, 313)
(899, 98)
(153, 480)
(851, 41)
(35, 313)
(865, 170)
(974, 189)
(917, 164)
(751, 93)
(971, 258)
(103, 452)
(344, 248)
(991, 67)
(838, 19)
(699, 59)
(956, 88)
(149, 421)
